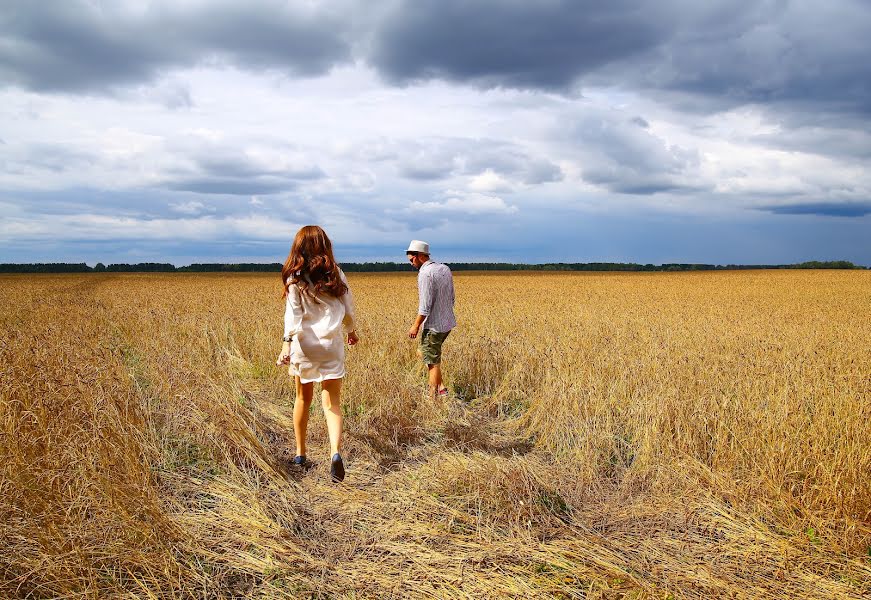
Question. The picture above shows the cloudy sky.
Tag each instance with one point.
(723, 131)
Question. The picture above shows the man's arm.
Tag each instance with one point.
(415, 328)
(424, 290)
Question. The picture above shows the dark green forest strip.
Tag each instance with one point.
(382, 267)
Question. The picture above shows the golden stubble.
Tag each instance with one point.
(607, 435)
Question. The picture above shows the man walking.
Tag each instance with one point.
(435, 312)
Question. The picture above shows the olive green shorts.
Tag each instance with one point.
(431, 346)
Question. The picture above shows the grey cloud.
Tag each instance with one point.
(34, 158)
(699, 55)
(71, 46)
(514, 44)
(623, 156)
(542, 171)
(428, 161)
(425, 172)
(174, 96)
(229, 186)
(800, 55)
(215, 169)
(197, 166)
(849, 143)
(452, 207)
(180, 200)
(79, 47)
(826, 209)
(240, 166)
(87, 200)
(439, 158)
(626, 182)
(511, 161)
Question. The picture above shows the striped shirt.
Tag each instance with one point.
(435, 286)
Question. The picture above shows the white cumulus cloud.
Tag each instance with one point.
(490, 181)
(191, 207)
(473, 203)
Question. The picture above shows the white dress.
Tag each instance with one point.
(318, 326)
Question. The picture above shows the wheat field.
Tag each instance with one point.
(662, 435)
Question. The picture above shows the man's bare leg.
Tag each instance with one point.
(435, 379)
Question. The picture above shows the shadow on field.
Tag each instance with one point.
(290, 470)
(465, 431)
(388, 455)
(474, 436)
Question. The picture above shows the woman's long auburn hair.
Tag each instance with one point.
(311, 264)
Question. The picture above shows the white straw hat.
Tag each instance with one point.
(418, 246)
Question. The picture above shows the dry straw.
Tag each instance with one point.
(606, 436)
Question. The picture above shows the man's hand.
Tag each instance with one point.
(412, 333)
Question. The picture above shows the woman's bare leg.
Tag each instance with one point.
(301, 407)
(331, 399)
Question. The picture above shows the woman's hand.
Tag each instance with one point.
(284, 356)
(353, 338)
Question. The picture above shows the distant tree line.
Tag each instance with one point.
(45, 268)
(231, 268)
(381, 267)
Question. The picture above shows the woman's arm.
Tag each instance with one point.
(292, 323)
(349, 322)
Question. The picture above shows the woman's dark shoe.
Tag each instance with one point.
(301, 464)
(337, 468)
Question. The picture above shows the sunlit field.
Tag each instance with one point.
(686, 435)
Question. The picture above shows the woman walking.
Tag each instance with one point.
(319, 310)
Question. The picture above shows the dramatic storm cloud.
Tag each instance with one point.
(91, 46)
(722, 131)
(514, 44)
